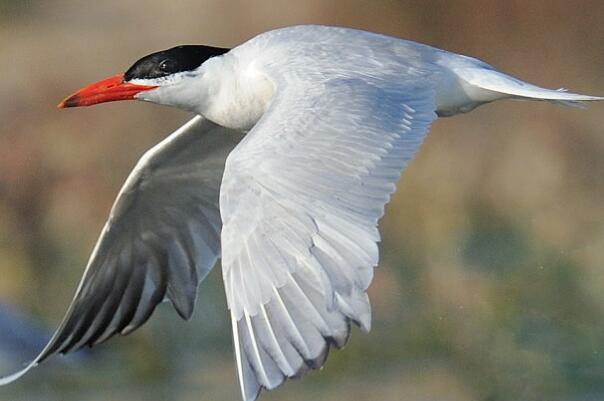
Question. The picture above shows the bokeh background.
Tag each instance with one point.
(491, 284)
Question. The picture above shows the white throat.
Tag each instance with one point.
(237, 94)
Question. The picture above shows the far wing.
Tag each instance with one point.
(162, 238)
(300, 201)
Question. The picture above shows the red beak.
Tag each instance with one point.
(108, 90)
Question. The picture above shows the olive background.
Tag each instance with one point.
(491, 281)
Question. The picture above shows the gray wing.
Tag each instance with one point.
(162, 238)
(300, 201)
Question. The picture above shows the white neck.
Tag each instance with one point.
(223, 90)
(237, 94)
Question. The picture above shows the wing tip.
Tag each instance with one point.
(185, 311)
(253, 396)
(17, 375)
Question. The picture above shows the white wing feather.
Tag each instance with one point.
(300, 201)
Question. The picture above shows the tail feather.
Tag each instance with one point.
(489, 79)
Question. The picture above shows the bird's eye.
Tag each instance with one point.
(166, 65)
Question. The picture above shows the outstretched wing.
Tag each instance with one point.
(300, 201)
(162, 238)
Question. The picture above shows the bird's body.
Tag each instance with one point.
(300, 137)
(242, 82)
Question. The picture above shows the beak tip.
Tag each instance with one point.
(71, 101)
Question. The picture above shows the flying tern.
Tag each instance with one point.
(299, 138)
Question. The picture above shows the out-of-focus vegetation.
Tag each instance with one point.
(491, 285)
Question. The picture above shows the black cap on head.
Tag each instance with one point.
(167, 62)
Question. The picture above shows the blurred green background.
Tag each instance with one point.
(491, 284)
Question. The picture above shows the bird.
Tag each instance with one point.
(298, 138)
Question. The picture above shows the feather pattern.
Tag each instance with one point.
(300, 204)
(161, 239)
